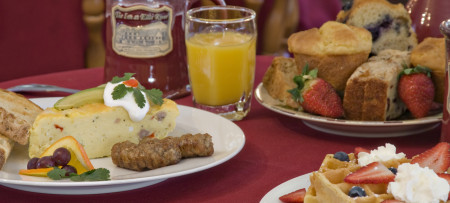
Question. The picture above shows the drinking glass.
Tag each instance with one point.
(221, 52)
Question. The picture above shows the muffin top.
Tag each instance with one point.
(430, 53)
(332, 38)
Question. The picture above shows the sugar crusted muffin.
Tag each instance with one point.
(431, 53)
(390, 24)
(335, 49)
(371, 92)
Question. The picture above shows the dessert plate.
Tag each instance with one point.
(286, 187)
(394, 128)
(227, 137)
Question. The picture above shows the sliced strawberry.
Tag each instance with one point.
(373, 173)
(446, 177)
(436, 158)
(392, 201)
(360, 149)
(294, 197)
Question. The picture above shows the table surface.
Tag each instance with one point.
(277, 148)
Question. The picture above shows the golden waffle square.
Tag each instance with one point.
(327, 184)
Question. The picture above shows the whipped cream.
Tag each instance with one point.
(127, 102)
(416, 184)
(381, 154)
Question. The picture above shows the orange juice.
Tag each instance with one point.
(221, 66)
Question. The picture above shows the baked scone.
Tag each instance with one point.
(335, 49)
(279, 78)
(390, 24)
(17, 114)
(98, 127)
(371, 92)
(431, 53)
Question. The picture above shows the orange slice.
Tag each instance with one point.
(41, 172)
(79, 158)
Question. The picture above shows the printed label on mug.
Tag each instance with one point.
(141, 31)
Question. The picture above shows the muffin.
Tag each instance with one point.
(335, 49)
(279, 78)
(431, 53)
(389, 24)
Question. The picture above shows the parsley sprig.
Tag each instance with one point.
(99, 174)
(154, 95)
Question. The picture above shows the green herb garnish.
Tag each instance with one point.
(154, 95)
(126, 76)
(99, 174)
(57, 173)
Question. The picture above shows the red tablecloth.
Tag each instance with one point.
(277, 148)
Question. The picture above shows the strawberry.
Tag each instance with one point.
(316, 95)
(416, 90)
(360, 149)
(373, 173)
(436, 158)
(296, 196)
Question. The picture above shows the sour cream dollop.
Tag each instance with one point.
(127, 102)
(414, 184)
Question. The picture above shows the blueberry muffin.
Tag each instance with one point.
(390, 24)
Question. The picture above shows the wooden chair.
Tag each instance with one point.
(94, 18)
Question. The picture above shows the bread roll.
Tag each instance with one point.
(431, 53)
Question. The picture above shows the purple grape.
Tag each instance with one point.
(32, 163)
(69, 169)
(61, 156)
(45, 162)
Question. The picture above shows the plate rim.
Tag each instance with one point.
(306, 117)
(51, 183)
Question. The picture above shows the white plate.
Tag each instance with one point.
(227, 137)
(286, 187)
(394, 128)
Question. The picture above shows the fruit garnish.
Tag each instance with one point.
(416, 90)
(357, 191)
(341, 156)
(79, 158)
(121, 90)
(373, 173)
(294, 197)
(41, 172)
(315, 95)
(436, 158)
(360, 149)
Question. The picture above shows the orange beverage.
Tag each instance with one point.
(221, 67)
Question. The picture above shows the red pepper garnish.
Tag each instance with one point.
(59, 127)
(131, 83)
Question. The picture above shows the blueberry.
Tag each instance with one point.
(347, 5)
(357, 191)
(393, 170)
(341, 156)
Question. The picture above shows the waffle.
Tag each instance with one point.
(327, 184)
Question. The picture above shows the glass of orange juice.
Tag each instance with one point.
(221, 52)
